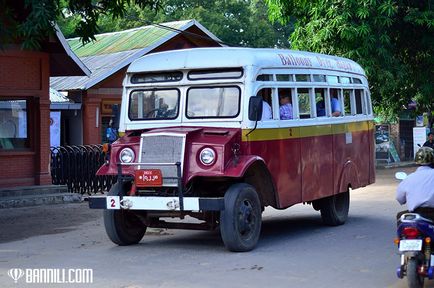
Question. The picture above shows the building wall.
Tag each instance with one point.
(25, 76)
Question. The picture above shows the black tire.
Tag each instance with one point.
(240, 221)
(334, 209)
(122, 226)
(413, 278)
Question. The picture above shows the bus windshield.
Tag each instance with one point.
(154, 104)
(213, 102)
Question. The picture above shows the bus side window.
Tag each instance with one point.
(335, 102)
(368, 102)
(267, 111)
(347, 102)
(358, 94)
(285, 104)
(320, 102)
(303, 102)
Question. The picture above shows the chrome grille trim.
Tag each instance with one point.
(158, 150)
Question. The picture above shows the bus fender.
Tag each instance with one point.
(254, 171)
(349, 177)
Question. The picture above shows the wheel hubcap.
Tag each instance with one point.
(246, 219)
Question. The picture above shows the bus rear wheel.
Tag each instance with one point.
(334, 209)
(123, 227)
(240, 221)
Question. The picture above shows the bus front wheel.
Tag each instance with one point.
(334, 209)
(240, 221)
(122, 226)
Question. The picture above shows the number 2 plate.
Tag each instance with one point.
(410, 245)
(113, 202)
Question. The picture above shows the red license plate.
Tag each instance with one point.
(148, 178)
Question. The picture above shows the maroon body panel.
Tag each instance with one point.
(303, 168)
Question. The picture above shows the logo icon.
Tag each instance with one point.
(16, 273)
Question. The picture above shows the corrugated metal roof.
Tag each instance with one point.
(56, 96)
(99, 65)
(123, 40)
(114, 51)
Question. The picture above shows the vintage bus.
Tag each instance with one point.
(205, 138)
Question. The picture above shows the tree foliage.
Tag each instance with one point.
(30, 21)
(392, 39)
(235, 22)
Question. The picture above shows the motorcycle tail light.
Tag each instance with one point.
(410, 232)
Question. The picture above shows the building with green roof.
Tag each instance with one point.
(108, 58)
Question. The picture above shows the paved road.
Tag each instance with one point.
(295, 249)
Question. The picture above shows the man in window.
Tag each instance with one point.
(334, 103)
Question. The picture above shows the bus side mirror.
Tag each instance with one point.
(255, 108)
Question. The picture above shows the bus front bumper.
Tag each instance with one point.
(156, 203)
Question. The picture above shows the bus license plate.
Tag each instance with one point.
(410, 245)
(148, 178)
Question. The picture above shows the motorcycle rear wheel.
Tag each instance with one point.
(413, 278)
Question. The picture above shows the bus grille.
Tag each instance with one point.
(163, 149)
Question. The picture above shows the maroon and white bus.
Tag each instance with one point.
(203, 137)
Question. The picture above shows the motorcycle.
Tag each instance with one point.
(415, 233)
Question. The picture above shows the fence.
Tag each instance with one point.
(76, 166)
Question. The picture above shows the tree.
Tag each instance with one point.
(235, 22)
(392, 39)
(30, 21)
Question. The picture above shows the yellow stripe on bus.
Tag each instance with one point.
(267, 134)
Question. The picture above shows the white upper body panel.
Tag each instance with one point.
(198, 58)
(253, 62)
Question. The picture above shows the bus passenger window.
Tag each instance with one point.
(265, 77)
(347, 102)
(267, 112)
(285, 104)
(303, 102)
(332, 79)
(335, 103)
(359, 101)
(319, 78)
(345, 80)
(284, 77)
(302, 77)
(320, 102)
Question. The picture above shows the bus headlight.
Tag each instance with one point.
(207, 156)
(127, 155)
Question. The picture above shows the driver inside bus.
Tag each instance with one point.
(417, 190)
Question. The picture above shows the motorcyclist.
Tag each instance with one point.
(417, 190)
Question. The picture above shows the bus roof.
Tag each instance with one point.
(224, 57)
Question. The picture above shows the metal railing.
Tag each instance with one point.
(76, 166)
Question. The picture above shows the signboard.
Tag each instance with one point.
(107, 107)
(54, 128)
(419, 137)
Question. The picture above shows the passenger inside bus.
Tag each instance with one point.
(267, 113)
(335, 105)
(285, 108)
